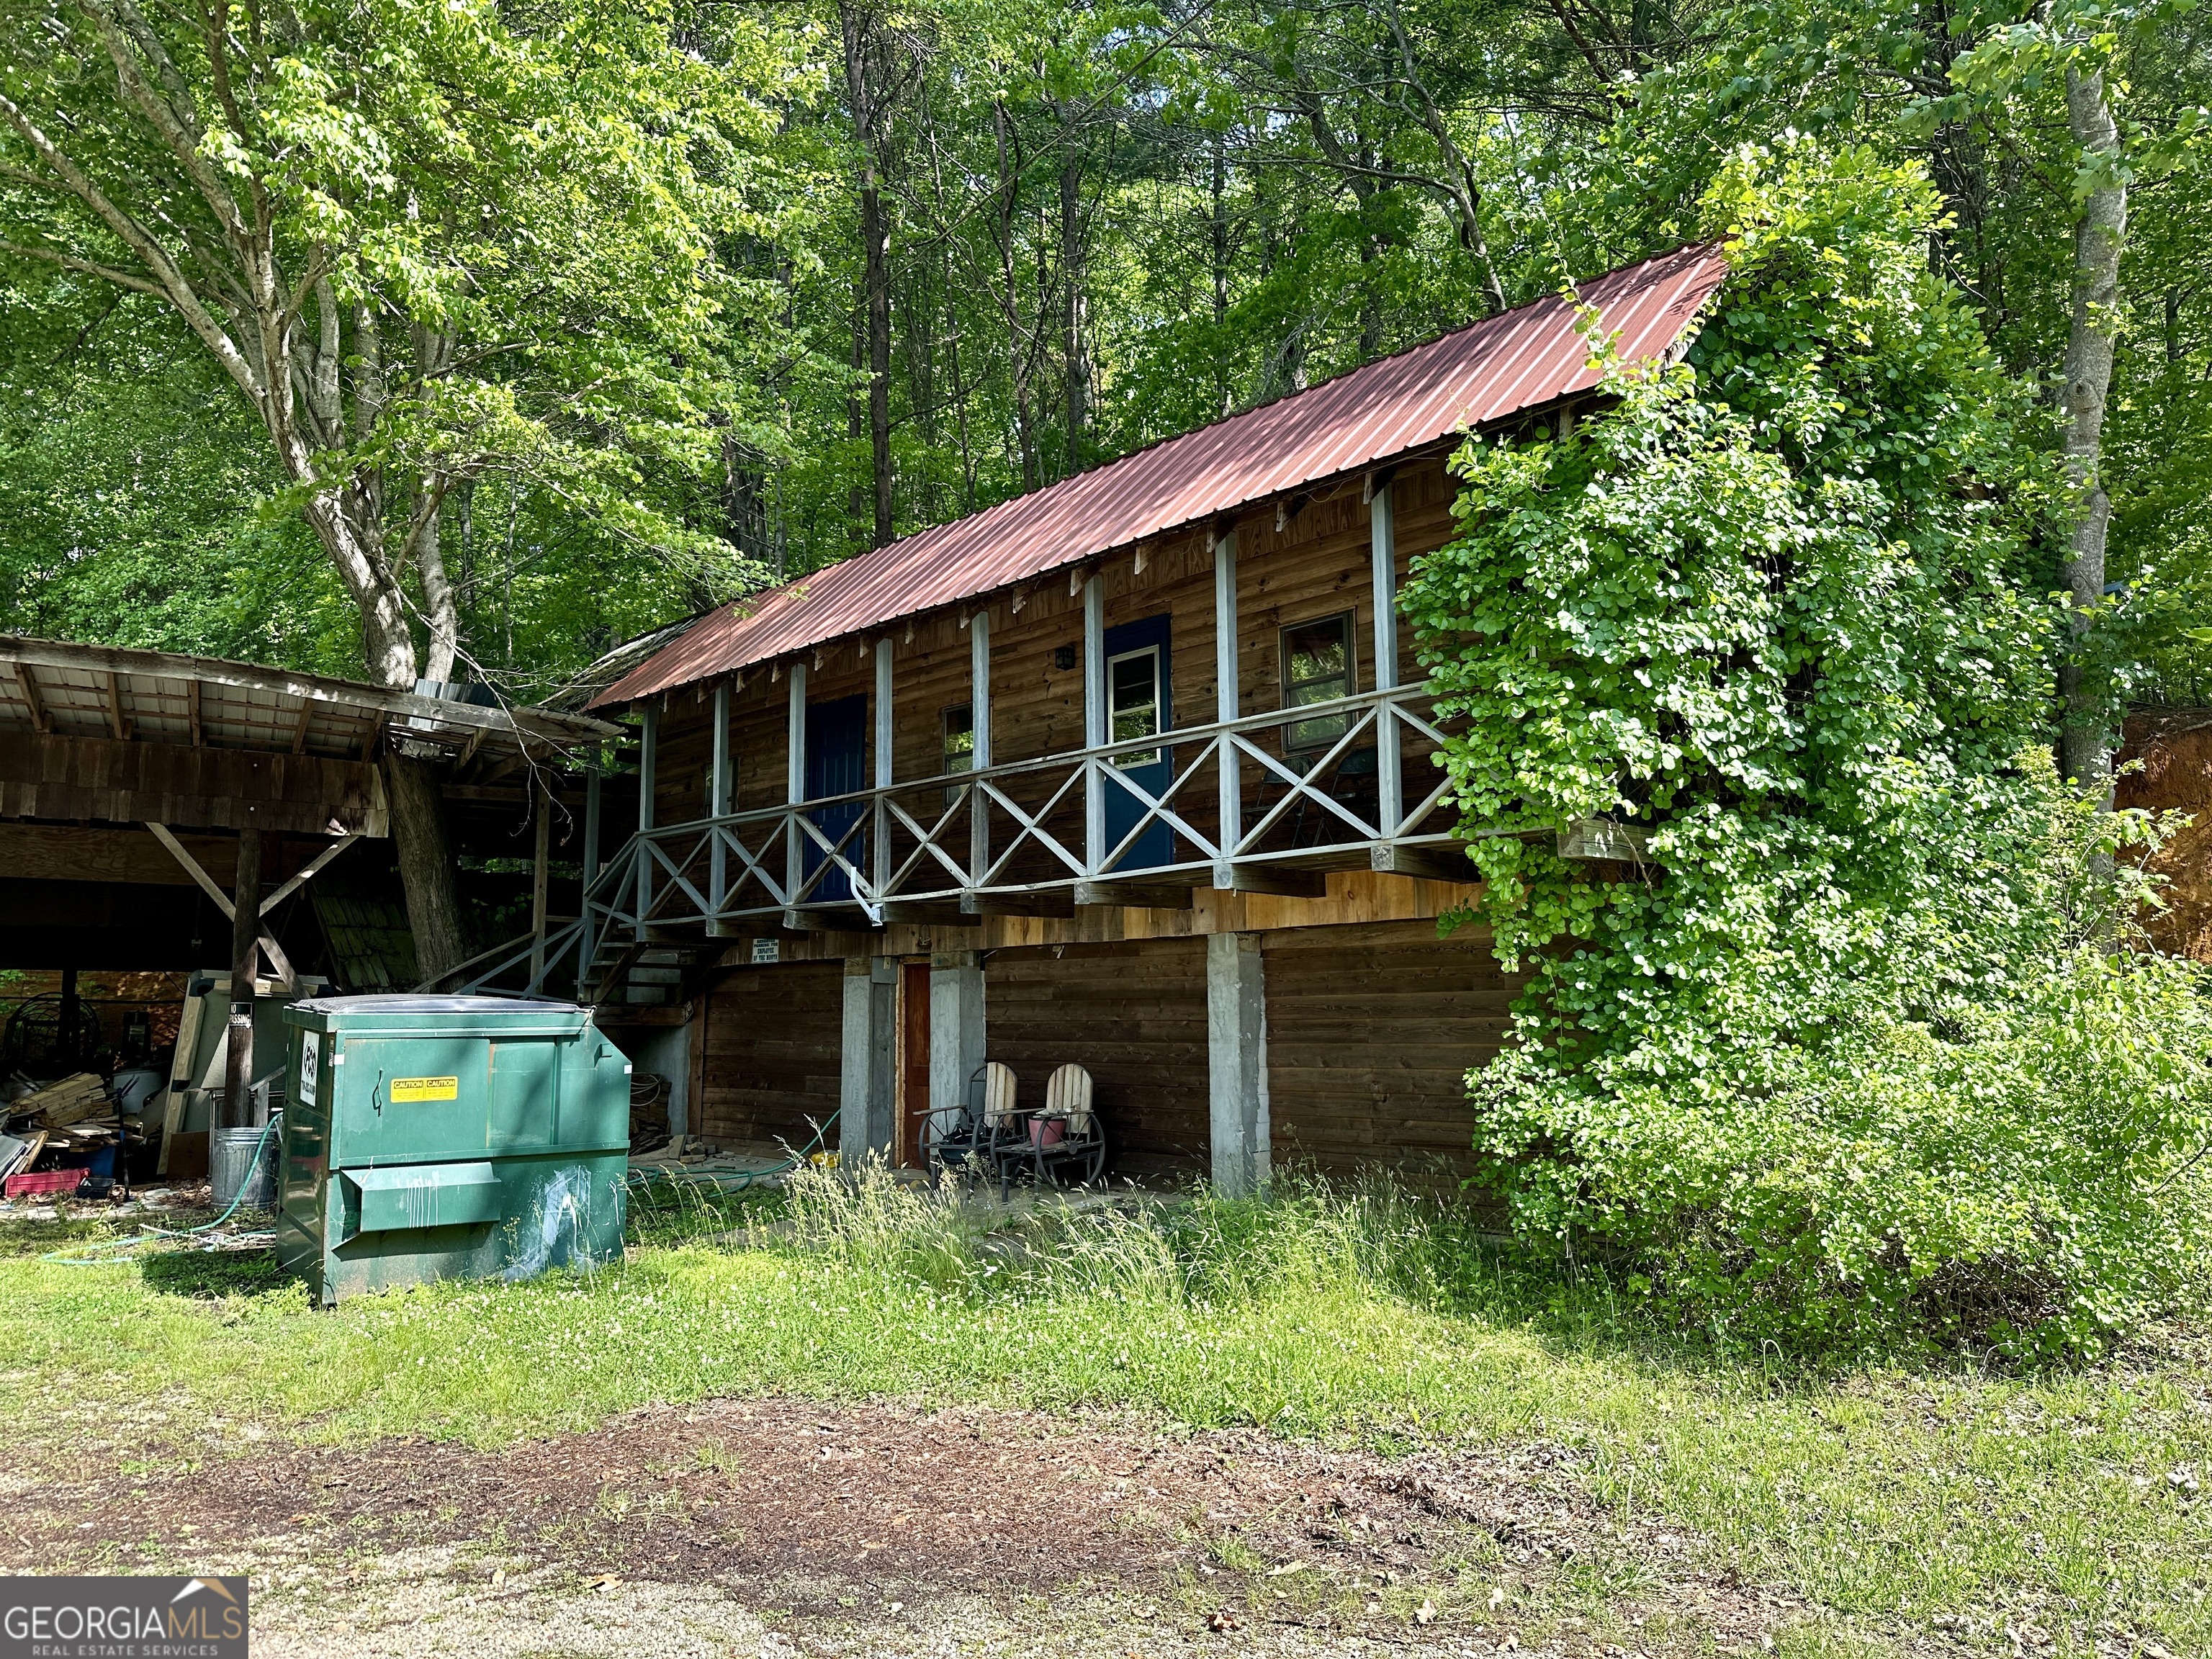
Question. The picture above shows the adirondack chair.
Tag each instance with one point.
(1064, 1137)
(966, 1137)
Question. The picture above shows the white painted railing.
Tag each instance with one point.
(1025, 833)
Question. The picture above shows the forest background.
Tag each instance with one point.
(676, 301)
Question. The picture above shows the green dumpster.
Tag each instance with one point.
(448, 1137)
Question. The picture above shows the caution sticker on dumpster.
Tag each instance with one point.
(425, 1088)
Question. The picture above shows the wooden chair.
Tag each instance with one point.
(967, 1137)
(1065, 1136)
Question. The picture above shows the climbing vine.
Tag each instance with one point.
(1846, 1047)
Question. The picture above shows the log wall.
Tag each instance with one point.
(771, 1037)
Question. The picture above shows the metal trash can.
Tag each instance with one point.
(230, 1157)
(449, 1137)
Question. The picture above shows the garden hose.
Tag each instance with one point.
(99, 1254)
(733, 1181)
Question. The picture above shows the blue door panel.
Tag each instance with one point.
(1156, 847)
(836, 764)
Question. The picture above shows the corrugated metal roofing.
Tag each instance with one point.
(1519, 360)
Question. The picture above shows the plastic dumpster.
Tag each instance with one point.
(448, 1137)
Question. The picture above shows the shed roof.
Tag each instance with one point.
(1522, 359)
(75, 690)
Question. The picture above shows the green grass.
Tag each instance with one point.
(1907, 1495)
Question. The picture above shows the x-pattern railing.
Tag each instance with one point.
(1039, 828)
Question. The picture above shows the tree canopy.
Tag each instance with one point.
(632, 343)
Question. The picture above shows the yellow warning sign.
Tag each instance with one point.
(425, 1088)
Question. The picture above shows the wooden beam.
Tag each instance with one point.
(1049, 901)
(192, 711)
(846, 919)
(540, 884)
(1428, 863)
(307, 873)
(29, 686)
(1133, 895)
(1602, 838)
(55, 775)
(116, 723)
(1228, 671)
(208, 884)
(1383, 574)
(300, 728)
(1267, 879)
(928, 912)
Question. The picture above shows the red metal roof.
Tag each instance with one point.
(1519, 360)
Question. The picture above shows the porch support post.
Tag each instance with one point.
(541, 791)
(587, 944)
(794, 778)
(718, 805)
(865, 1099)
(1095, 729)
(979, 727)
(955, 1025)
(1383, 542)
(1227, 695)
(1236, 1063)
(648, 756)
(881, 827)
(237, 1111)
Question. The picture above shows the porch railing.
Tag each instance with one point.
(1225, 805)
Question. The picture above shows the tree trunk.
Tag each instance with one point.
(1073, 368)
(426, 865)
(863, 88)
(2084, 744)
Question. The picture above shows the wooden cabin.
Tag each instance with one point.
(1135, 771)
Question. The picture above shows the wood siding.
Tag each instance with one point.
(1370, 1034)
(770, 1053)
(1318, 565)
(1134, 1016)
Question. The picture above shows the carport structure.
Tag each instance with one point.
(134, 783)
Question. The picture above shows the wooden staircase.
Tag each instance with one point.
(629, 974)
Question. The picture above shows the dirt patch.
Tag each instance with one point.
(805, 1513)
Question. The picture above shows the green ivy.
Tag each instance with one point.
(1849, 1052)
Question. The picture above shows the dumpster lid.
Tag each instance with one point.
(435, 1005)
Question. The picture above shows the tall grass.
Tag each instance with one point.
(1366, 1238)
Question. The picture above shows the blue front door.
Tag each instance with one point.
(836, 764)
(1138, 705)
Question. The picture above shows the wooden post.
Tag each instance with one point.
(883, 742)
(1382, 543)
(588, 943)
(866, 1070)
(956, 1026)
(718, 805)
(794, 779)
(1236, 1063)
(244, 955)
(979, 727)
(541, 853)
(649, 755)
(1226, 700)
(1096, 725)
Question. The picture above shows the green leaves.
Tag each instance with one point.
(1765, 606)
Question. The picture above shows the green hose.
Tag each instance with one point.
(115, 1246)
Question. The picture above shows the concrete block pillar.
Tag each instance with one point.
(1236, 1062)
(955, 1025)
(866, 1102)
